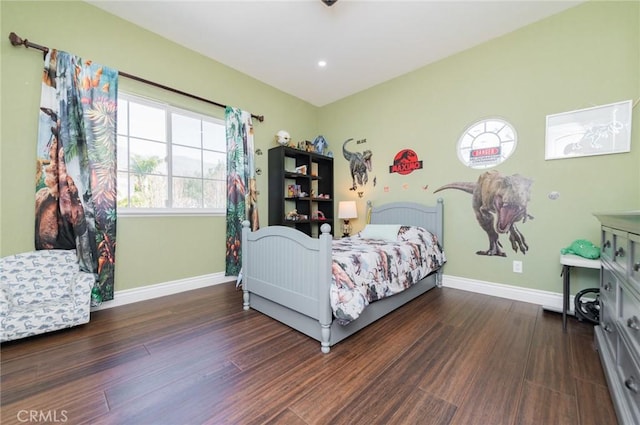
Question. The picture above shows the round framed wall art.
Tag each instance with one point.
(487, 143)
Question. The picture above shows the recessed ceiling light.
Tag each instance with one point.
(322, 64)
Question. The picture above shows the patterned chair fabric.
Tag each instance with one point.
(42, 291)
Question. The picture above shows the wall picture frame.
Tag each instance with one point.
(599, 130)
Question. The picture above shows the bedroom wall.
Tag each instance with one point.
(149, 250)
(584, 57)
(587, 56)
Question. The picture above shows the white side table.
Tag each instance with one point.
(568, 261)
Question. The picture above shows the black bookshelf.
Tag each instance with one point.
(300, 181)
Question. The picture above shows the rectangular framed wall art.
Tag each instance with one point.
(600, 130)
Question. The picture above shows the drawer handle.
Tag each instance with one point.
(606, 244)
(619, 252)
(636, 267)
(633, 323)
(631, 384)
(607, 328)
(607, 286)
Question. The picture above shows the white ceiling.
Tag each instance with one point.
(364, 42)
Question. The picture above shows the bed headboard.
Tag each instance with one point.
(411, 214)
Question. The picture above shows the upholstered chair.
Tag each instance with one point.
(42, 291)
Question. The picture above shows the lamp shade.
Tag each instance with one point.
(347, 210)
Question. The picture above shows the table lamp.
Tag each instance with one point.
(346, 211)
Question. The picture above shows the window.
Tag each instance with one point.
(170, 160)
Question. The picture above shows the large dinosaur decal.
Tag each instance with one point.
(359, 165)
(499, 202)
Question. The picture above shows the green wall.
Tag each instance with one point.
(586, 56)
(149, 250)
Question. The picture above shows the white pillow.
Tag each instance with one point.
(387, 232)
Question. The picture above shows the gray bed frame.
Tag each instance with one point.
(287, 274)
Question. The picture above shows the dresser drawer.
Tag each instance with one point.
(629, 376)
(614, 250)
(609, 328)
(609, 289)
(606, 248)
(629, 317)
(634, 260)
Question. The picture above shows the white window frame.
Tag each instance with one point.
(169, 211)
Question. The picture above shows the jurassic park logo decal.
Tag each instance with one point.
(405, 162)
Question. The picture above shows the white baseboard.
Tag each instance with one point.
(550, 300)
(128, 296)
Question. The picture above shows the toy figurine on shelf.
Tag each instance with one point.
(305, 145)
(283, 138)
(320, 145)
(292, 215)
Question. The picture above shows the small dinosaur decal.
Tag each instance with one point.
(359, 165)
(499, 202)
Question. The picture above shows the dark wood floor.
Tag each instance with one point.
(449, 357)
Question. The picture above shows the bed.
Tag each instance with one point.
(287, 275)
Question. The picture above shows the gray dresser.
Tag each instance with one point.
(618, 335)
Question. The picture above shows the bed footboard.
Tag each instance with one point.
(282, 267)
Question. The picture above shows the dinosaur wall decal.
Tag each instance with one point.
(499, 202)
(359, 165)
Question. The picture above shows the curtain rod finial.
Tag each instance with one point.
(15, 39)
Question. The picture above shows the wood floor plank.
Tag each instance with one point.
(188, 355)
(527, 309)
(395, 387)
(585, 358)
(375, 346)
(131, 389)
(542, 405)
(200, 396)
(340, 369)
(261, 392)
(286, 417)
(594, 403)
(550, 360)
(183, 401)
(494, 393)
(77, 410)
(422, 408)
(467, 349)
(205, 385)
(70, 374)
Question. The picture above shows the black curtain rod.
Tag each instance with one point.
(17, 41)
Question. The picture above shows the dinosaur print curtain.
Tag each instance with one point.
(76, 165)
(242, 196)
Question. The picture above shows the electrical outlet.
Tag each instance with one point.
(517, 266)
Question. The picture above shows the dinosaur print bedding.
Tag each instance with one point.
(368, 269)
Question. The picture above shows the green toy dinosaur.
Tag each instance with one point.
(583, 248)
